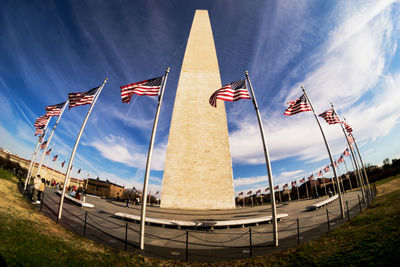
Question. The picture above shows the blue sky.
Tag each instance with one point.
(345, 52)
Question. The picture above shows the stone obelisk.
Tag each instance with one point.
(198, 167)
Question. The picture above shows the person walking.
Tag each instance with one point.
(36, 186)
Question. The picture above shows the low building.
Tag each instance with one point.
(105, 188)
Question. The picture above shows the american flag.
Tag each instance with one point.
(157, 193)
(241, 193)
(230, 92)
(340, 159)
(258, 191)
(148, 87)
(302, 180)
(266, 189)
(311, 177)
(319, 173)
(39, 130)
(347, 126)
(249, 193)
(79, 171)
(330, 116)
(55, 157)
(294, 183)
(79, 99)
(43, 145)
(286, 185)
(326, 169)
(62, 164)
(41, 121)
(350, 138)
(299, 105)
(276, 187)
(48, 151)
(55, 110)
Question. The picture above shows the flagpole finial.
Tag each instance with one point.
(168, 69)
(331, 104)
(247, 73)
(302, 88)
(106, 79)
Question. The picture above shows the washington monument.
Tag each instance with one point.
(198, 167)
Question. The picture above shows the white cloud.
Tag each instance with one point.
(349, 66)
(118, 149)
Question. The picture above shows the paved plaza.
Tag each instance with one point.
(170, 242)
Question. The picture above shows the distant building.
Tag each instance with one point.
(105, 189)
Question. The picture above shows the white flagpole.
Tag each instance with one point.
(51, 136)
(329, 153)
(47, 163)
(362, 163)
(267, 161)
(31, 164)
(148, 163)
(352, 153)
(35, 153)
(67, 174)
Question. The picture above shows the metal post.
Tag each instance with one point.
(84, 226)
(41, 200)
(362, 163)
(352, 153)
(35, 153)
(324, 186)
(359, 202)
(307, 190)
(267, 161)
(348, 211)
(66, 179)
(329, 153)
(187, 246)
(50, 137)
(298, 231)
(251, 244)
(327, 217)
(149, 154)
(31, 164)
(126, 236)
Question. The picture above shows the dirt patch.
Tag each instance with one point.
(389, 187)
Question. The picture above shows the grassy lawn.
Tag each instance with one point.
(30, 239)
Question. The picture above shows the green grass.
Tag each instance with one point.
(6, 175)
(386, 180)
(31, 239)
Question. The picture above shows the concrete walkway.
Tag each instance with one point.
(204, 245)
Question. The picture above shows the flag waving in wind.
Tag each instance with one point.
(299, 105)
(346, 152)
(55, 110)
(48, 151)
(62, 164)
(43, 145)
(230, 92)
(55, 157)
(85, 98)
(347, 127)
(330, 116)
(326, 169)
(148, 87)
